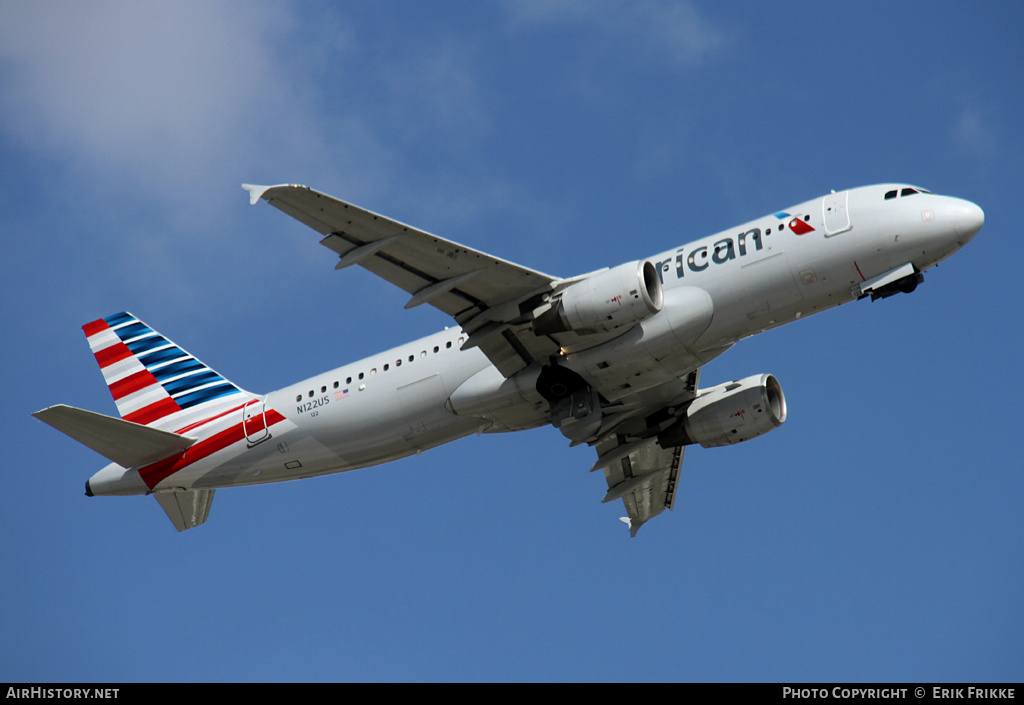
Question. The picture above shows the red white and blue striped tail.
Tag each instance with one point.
(153, 381)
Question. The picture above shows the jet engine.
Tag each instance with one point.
(729, 413)
(617, 297)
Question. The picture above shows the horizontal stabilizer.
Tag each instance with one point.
(186, 508)
(127, 444)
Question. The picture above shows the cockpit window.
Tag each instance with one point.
(906, 191)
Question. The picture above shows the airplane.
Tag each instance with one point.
(610, 358)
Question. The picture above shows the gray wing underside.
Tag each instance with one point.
(645, 478)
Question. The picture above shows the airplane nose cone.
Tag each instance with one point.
(967, 218)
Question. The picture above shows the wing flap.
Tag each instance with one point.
(643, 475)
(126, 443)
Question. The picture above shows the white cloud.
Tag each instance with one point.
(154, 113)
(120, 81)
(170, 94)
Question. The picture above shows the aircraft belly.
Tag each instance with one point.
(654, 352)
(302, 453)
(499, 404)
(397, 439)
(373, 424)
(421, 406)
(286, 457)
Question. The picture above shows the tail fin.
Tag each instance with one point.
(186, 510)
(153, 381)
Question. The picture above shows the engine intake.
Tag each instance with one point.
(729, 413)
(617, 297)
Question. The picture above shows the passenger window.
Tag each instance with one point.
(436, 348)
(448, 344)
(310, 393)
(298, 398)
(348, 380)
(386, 367)
(323, 389)
(360, 375)
(337, 384)
(890, 194)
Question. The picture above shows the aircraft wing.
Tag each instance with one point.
(488, 296)
(642, 474)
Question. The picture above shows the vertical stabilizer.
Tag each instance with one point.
(153, 381)
(186, 509)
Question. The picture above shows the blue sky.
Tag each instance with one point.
(876, 536)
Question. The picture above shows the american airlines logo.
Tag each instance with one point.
(727, 249)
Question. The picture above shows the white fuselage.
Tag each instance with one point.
(756, 276)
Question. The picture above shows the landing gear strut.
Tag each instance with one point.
(575, 406)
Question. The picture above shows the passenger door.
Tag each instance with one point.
(835, 209)
(254, 422)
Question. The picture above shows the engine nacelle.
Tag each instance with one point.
(617, 297)
(729, 413)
